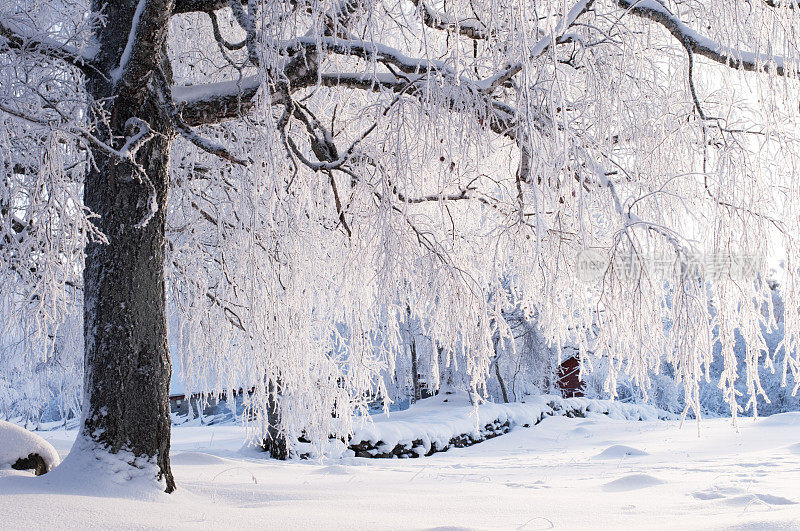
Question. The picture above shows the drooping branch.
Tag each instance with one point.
(16, 40)
(540, 47)
(701, 45)
(205, 144)
(141, 133)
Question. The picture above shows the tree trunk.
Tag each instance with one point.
(500, 380)
(128, 366)
(415, 372)
(275, 442)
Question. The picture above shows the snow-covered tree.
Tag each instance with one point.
(279, 171)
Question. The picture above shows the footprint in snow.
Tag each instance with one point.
(618, 451)
(632, 482)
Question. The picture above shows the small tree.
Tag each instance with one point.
(278, 169)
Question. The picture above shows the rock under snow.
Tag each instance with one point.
(24, 450)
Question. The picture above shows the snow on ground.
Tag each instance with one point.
(447, 415)
(595, 472)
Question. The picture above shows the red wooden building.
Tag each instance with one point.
(569, 381)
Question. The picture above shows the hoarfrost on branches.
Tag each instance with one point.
(345, 168)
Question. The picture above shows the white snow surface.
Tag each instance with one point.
(17, 442)
(542, 477)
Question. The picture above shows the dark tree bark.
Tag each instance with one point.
(275, 441)
(415, 372)
(500, 381)
(496, 363)
(128, 365)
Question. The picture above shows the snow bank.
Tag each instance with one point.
(17, 443)
(92, 472)
(435, 424)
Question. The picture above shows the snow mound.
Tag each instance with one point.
(90, 470)
(795, 448)
(18, 443)
(632, 482)
(619, 451)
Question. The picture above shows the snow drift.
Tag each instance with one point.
(24, 450)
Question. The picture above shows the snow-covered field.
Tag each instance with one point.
(594, 472)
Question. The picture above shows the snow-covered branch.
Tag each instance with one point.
(693, 40)
(12, 39)
(471, 28)
(542, 45)
(216, 102)
(320, 174)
